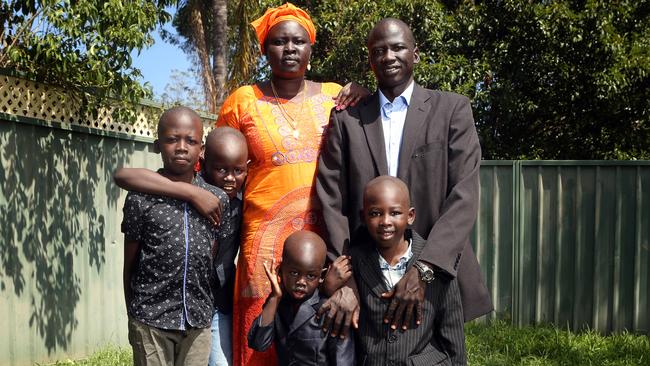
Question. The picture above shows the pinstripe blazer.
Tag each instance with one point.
(438, 340)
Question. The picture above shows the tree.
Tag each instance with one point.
(219, 37)
(571, 79)
(83, 46)
(205, 26)
(548, 79)
(181, 90)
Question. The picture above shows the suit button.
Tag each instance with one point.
(392, 338)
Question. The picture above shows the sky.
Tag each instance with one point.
(157, 62)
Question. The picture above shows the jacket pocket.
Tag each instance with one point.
(434, 357)
(420, 151)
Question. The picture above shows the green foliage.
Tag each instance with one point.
(548, 80)
(571, 79)
(341, 53)
(83, 46)
(499, 344)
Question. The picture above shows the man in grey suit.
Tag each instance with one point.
(427, 139)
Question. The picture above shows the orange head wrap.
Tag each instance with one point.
(284, 12)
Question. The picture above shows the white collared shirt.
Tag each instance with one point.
(393, 117)
(392, 274)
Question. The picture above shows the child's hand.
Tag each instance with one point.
(207, 204)
(350, 95)
(338, 274)
(274, 279)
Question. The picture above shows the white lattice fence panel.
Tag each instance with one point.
(30, 99)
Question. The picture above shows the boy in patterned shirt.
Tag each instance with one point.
(168, 255)
(225, 165)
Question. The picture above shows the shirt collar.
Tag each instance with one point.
(406, 95)
(403, 259)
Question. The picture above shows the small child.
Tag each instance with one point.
(225, 165)
(378, 263)
(289, 314)
(167, 255)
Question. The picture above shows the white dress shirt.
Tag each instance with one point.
(393, 116)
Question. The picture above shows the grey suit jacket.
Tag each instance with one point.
(438, 340)
(299, 339)
(439, 161)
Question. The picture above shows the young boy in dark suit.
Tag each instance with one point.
(378, 262)
(289, 314)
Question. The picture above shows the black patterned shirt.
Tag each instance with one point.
(172, 276)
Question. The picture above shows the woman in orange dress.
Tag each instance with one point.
(283, 120)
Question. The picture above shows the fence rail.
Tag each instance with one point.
(561, 242)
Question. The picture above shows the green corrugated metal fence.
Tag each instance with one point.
(60, 242)
(567, 242)
(562, 242)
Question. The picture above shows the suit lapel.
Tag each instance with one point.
(371, 273)
(305, 312)
(415, 118)
(371, 122)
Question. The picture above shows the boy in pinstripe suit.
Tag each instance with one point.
(379, 261)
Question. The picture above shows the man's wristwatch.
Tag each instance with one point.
(426, 272)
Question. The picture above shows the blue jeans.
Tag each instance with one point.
(221, 352)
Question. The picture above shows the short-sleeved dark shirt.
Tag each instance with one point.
(171, 281)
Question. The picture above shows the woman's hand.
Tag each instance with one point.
(338, 273)
(350, 95)
(207, 204)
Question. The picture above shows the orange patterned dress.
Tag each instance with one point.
(280, 195)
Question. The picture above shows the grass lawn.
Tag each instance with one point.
(499, 344)
(502, 344)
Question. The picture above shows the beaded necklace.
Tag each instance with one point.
(296, 150)
(289, 118)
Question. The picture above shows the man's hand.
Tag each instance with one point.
(342, 310)
(407, 298)
(338, 274)
(207, 204)
(350, 95)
